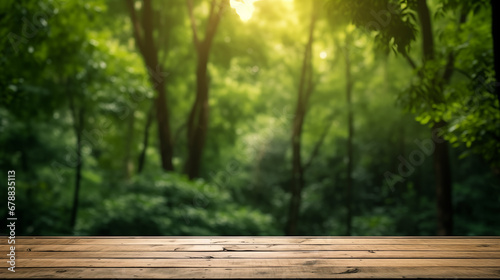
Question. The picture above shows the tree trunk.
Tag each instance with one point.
(143, 34)
(162, 119)
(297, 182)
(349, 86)
(198, 118)
(78, 128)
(443, 185)
(145, 143)
(495, 32)
(129, 139)
(426, 26)
(441, 161)
(304, 92)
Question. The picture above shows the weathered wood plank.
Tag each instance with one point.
(251, 247)
(256, 273)
(254, 257)
(234, 263)
(262, 255)
(237, 241)
(263, 237)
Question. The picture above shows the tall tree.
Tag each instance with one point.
(145, 141)
(397, 31)
(349, 85)
(78, 117)
(495, 32)
(435, 86)
(127, 161)
(304, 92)
(144, 30)
(442, 172)
(197, 125)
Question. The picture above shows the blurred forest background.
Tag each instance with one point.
(243, 117)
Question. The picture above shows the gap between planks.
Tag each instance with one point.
(260, 237)
(256, 273)
(262, 255)
(251, 247)
(259, 241)
(221, 263)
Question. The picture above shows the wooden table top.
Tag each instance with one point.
(250, 257)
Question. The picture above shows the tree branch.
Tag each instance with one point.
(177, 133)
(448, 71)
(211, 13)
(164, 39)
(425, 24)
(135, 25)
(213, 21)
(410, 60)
(318, 144)
(196, 40)
(463, 73)
(147, 26)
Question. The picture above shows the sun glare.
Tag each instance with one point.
(244, 8)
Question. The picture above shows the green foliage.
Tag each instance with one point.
(55, 52)
(168, 204)
(392, 22)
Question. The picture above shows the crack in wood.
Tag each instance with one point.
(351, 270)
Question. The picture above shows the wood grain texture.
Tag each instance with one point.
(263, 255)
(253, 257)
(257, 273)
(263, 241)
(278, 262)
(251, 247)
